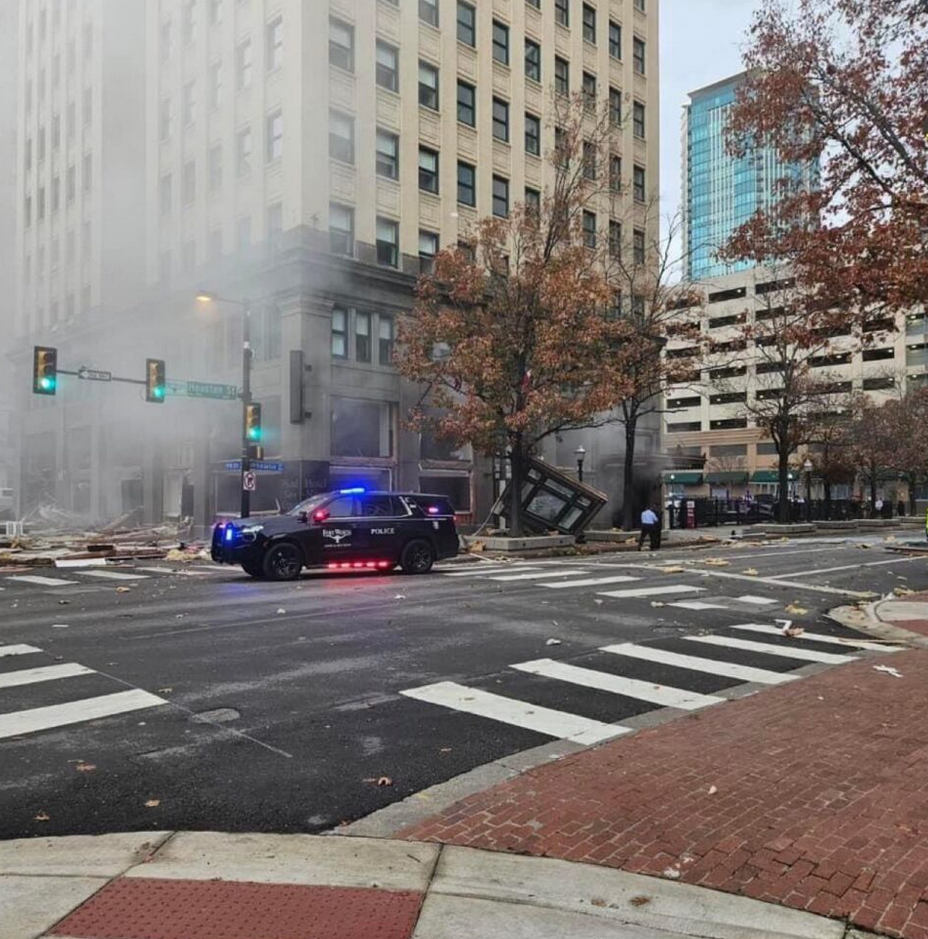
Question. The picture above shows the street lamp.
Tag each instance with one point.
(807, 466)
(580, 453)
(206, 297)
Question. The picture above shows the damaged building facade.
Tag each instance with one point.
(303, 160)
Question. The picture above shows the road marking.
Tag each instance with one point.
(17, 650)
(697, 605)
(748, 645)
(542, 720)
(663, 695)
(495, 569)
(29, 676)
(696, 664)
(74, 712)
(537, 575)
(846, 567)
(748, 598)
(112, 575)
(820, 637)
(652, 591)
(42, 581)
(592, 582)
(785, 583)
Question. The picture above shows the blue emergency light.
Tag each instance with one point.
(357, 490)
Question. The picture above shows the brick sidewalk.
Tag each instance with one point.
(813, 795)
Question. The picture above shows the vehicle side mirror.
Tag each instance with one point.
(303, 517)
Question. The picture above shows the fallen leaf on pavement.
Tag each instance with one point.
(64, 602)
(85, 767)
(445, 750)
(713, 790)
(597, 901)
(639, 901)
(862, 545)
(671, 570)
(751, 570)
(902, 591)
(553, 642)
(165, 690)
(795, 609)
(280, 611)
(122, 590)
(671, 873)
(380, 780)
(716, 562)
(400, 596)
(887, 670)
(657, 603)
(152, 803)
(42, 817)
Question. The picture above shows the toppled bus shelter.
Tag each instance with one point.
(553, 501)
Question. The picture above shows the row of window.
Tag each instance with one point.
(54, 134)
(70, 255)
(189, 24)
(360, 325)
(54, 200)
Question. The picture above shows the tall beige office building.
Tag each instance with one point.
(311, 157)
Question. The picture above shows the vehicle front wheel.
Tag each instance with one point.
(253, 568)
(283, 562)
(417, 558)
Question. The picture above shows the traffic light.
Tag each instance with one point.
(44, 370)
(154, 381)
(253, 423)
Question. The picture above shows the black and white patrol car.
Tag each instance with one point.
(350, 529)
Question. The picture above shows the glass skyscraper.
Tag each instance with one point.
(722, 192)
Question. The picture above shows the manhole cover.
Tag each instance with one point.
(218, 716)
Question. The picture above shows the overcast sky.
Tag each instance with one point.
(701, 42)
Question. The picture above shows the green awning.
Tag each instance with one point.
(727, 477)
(765, 476)
(683, 477)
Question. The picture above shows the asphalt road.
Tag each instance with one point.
(241, 705)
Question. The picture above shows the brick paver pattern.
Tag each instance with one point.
(812, 794)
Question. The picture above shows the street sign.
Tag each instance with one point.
(94, 374)
(267, 466)
(202, 389)
(234, 465)
(250, 482)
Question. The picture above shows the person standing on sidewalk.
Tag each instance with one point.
(650, 528)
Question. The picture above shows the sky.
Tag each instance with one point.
(701, 42)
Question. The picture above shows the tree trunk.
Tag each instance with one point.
(783, 475)
(872, 489)
(628, 482)
(517, 464)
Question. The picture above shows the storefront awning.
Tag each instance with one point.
(683, 477)
(727, 477)
(765, 476)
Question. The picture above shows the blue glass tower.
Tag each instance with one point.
(722, 192)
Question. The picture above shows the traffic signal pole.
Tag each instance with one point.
(246, 401)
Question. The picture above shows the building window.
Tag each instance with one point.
(341, 45)
(428, 86)
(500, 119)
(589, 229)
(385, 327)
(165, 120)
(215, 85)
(562, 12)
(615, 238)
(275, 223)
(534, 3)
(215, 167)
(589, 23)
(638, 55)
(428, 248)
(87, 172)
(215, 12)
(589, 90)
(500, 42)
(589, 160)
(467, 24)
(388, 72)
(189, 182)
(388, 236)
(638, 119)
(428, 12)
(166, 40)
(274, 52)
(189, 100)
(532, 135)
(532, 200)
(87, 106)
(70, 186)
(243, 149)
(467, 104)
(243, 65)
(341, 137)
(339, 333)
(164, 194)
(638, 184)
(275, 136)
(638, 246)
(56, 193)
(561, 76)
(428, 170)
(615, 107)
(532, 60)
(190, 21)
(615, 40)
(500, 196)
(362, 337)
(243, 232)
(341, 229)
(467, 184)
(615, 173)
(639, 5)
(388, 154)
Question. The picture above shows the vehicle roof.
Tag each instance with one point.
(386, 492)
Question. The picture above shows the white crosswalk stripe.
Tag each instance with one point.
(847, 642)
(617, 684)
(19, 723)
(694, 663)
(41, 581)
(749, 598)
(30, 676)
(641, 592)
(17, 650)
(112, 575)
(535, 575)
(697, 605)
(485, 570)
(748, 645)
(542, 720)
(590, 582)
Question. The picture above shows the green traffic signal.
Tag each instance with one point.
(253, 422)
(44, 370)
(155, 381)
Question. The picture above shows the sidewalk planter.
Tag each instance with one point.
(517, 545)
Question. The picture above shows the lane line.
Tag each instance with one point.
(112, 575)
(748, 645)
(537, 575)
(785, 583)
(17, 650)
(694, 663)
(30, 676)
(592, 582)
(663, 695)
(542, 720)
(75, 712)
(167, 570)
(847, 567)
(821, 637)
(41, 581)
(667, 590)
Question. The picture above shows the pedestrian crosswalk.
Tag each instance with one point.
(85, 691)
(686, 673)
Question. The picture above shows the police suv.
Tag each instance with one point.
(351, 529)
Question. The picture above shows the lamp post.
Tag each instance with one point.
(580, 454)
(205, 297)
(807, 466)
(671, 500)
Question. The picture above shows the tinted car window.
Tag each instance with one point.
(377, 506)
(343, 507)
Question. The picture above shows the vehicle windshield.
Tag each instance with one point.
(307, 505)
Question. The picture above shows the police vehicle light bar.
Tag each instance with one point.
(350, 492)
